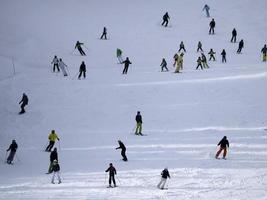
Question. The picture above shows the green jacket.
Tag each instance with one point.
(119, 52)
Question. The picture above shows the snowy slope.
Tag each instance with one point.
(185, 115)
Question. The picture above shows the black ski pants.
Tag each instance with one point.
(103, 35)
(211, 31)
(81, 51)
(165, 22)
(224, 59)
(112, 178)
(22, 107)
(199, 49)
(56, 66)
(212, 57)
(181, 48)
(50, 146)
(199, 65)
(82, 73)
(124, 155)
(233, 39)
(125, 70)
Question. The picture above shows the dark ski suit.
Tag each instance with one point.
(223, 56)
(240, 46)
(212, 26)
(12, 148)
(126, 63)
(104, 34)
(224, 144)
(123, 150)
(79, 47)
(24, 101)
(112, 172)
(234, 34)
(82, 71)
(165, 18)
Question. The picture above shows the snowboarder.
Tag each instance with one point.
(119, 55)
(82, 70)
(12, 148)
(264, 53)
(175, 57)
(53, 156)
(199, 63)
(164, 65)
(112, 172)
(63, 66)
(165, 18)
(79, 47)
(126, 63)
(199, 46)
(204, 61)
(212, 53)
(223, 56)
(164, 175)
(52, 139)
(56, 170)
(212, 26)
(138, 119)
(234, 34)
(224, 144)
(206, 8)
(104, 34)
(123, 150)
(179, 63)
(24, 101)
(240, 46)
(55, 62)
(182, 47)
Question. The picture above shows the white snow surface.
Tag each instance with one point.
(184, 115)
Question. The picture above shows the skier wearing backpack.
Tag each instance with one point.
(123, 150)
(165, 18)
(207, 9)
(126, 63)
(53, 156)
(212, 26)
(82, 70)
(63, 66)
(138, 119)
(264, 53)
(52, 139)
(164, 175)
(182, 47)
(164, 65)
(224, 144)
(212, 53)
(240, 46)
(12, 148)
(223, 56)
(199, 46)
(55, 62)
(56, 170)
(234, 34)
(24, 101)
(104, 34)
(79, 47)
(112, 172)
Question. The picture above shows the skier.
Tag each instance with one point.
(264, 53)
(164, 175)
(175, 57)
(56, 170)
(12, 148)
(126, 63)
(52, 139)
(82, 70)
(166, 18)
(223, 56)
(212, 53)
(123, 150)
(62, 66)
(164, 65)
(79, 47)
(112, 172)
(199, 46)
(240, 46)
(119, 55)
(206, 8)
(179, 63)
(24, 101)
(53, 156)
(55, 62)
(224, 144)
(199, 63)
(182, 47)
(204, 61)
(212, 26)
(234, 34)
(138, 119)
(104, 34)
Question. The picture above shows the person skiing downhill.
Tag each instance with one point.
(63, 66)
(224, 144)
(207, 9)
(182, 47)
(164, 65)
(53, 156)
(204, 61)
(55, 62)
(234, 34)
(179, 63)
(104, 34)
(165, 18)
(175, 57)
(240, 46)
(223, 56)
(199, 63)
(24, 101)
(56, 170)
(123, 150)
(52, 139)
(82, 70)
(212, 53)
(126, 63)
(12, 148)
(79, 47)
(164, 175)
(212, 26)
(264, 53)
(138, 119)
(119, 55)
(112, 172)
(199, 46)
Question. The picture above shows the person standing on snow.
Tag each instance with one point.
(175, 57)
(179, 63)
(164, 65)
(55, 62)
(56, 170)
(104, 34)
(112, 172)
(212, 26)
(224, 144)
(165, 18)
(182, 47)
(264, 53)
(207, 9)
(199, 63)
(199, 46)
(79, 47)
(53, 156)
(82, 70)
(234, 34)
(52, 139)
(63, 66)
(24, 101)
(123, 150)
(240, 46)
(164, 175)
(119, 55)
(126, 63)
(138, 119)
(204, 61)
(212, 53)
(12, 148)
(223, 56)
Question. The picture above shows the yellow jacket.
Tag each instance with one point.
(53, 137)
